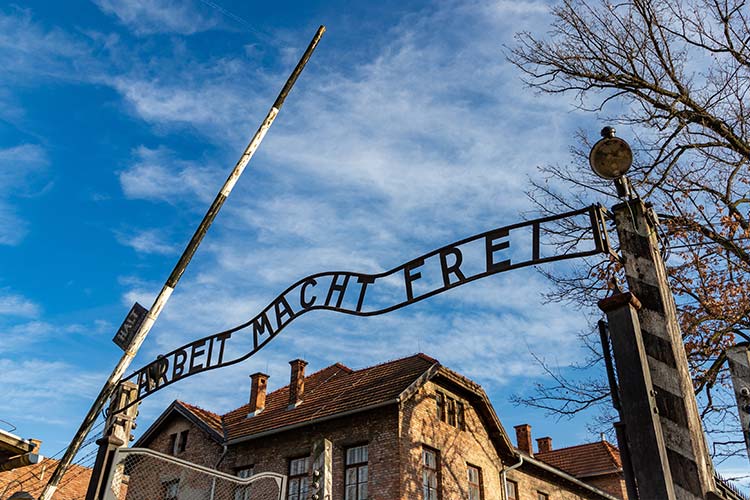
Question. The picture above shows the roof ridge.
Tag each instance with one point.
(191, 407)
(593, 443)
(420, 355)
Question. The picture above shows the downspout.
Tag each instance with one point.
(213, 480)
(503, 479)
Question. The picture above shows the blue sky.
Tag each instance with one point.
(119, 120)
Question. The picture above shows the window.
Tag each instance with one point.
(172, 447)
(170, 489)
(298, 478)
(243, 492)
(475, 482)
(440, 400)
(430, 469)
(452, 412)
(356, 473)
(460, 419)
(182, 442)
(541, 496)
(511, 487)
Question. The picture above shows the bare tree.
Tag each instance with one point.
(676, 76)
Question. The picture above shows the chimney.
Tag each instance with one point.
(258, 393)
(544, 444)
(297, 382)
(523, 438)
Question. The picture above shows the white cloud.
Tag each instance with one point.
(12, 304)
(29, 52)
(21, 168)
(145, 17)
(149, 241)
(366, 168)
(158, 174)
(42, 388)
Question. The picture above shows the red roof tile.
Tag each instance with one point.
(210, 418)
(584, 460)
(331, 391)
(33, 478)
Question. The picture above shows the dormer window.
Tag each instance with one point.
(450, 410)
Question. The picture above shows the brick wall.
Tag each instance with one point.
(201, 449)
(457, 448)
(614, 484)
(378, 428)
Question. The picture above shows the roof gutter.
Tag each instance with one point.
(310, 422)
(568, 477)
(504, 480)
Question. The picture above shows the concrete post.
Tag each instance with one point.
(116, 435)
(739, 368)
(686, 448)
(322, 470)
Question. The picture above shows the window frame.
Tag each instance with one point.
(172, 447)
(182, 441)
(440, 403)
(356, 466)
(460, 415)
(479, 484)
(508, 484)
(451, 413)
(166, 487)
(304, 475)
(437, 473)
(540, 495)
(242, 492)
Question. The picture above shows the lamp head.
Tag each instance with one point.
(611, 157)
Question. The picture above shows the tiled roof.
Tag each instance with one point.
(331, 391)
(211, 419)
(584, 460)
(33, 478)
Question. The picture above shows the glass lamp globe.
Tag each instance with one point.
(611, 157)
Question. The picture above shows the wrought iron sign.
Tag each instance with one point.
(495, 251)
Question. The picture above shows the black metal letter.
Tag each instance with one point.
(455, 268)
(260, 325)
(491, 247)
(364, 280)
(178, 368)
(222, 337)
(409, 277)
(307, 304)
(335, 287)
(286, 310)
(194, 354)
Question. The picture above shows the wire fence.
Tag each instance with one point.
(32, 478)
(142, 474)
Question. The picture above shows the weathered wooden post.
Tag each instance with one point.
(640, 420)
(739, 368)
(116, 435)
(653, 342)
(689, 461)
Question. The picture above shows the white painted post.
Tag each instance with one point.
(175, 276)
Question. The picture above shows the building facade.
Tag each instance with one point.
(406, 429)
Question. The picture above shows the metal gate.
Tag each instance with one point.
(143, 474)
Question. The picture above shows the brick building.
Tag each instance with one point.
(406, 429)
(33, 478)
